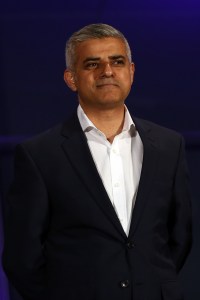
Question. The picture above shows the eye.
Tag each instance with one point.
(91, 65)
(118, 62)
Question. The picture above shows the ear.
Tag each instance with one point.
(69, 80)
(132, 71)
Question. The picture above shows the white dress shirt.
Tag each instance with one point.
(119, 164)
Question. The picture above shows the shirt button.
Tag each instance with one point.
(130, 244)
(124, 283)
(116, 184)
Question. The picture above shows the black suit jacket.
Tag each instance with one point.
(63, 239)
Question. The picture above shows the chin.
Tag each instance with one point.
(111, 103)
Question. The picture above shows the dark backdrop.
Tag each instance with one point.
(165, 39)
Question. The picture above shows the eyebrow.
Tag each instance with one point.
(117, 56)
(91, 59)
(98, 58)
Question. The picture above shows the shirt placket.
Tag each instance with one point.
(118, 187)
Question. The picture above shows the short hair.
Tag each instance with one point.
(92, 31)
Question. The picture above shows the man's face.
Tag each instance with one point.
(103, 74)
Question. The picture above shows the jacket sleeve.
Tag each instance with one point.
(180, 222)
(26, 224)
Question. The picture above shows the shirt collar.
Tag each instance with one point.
(87, 124)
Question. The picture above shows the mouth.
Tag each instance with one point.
(106, 85)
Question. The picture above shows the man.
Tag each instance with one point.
(100, 207)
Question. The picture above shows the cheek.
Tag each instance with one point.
(85, 87)
(86, 81)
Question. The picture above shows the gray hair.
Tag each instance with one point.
(92, 31)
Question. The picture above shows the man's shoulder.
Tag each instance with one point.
(167, 139)
(52, 136)
(154, 128)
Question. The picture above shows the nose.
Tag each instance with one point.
(107, 70)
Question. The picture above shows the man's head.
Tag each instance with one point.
(99, 67)
(92, 31)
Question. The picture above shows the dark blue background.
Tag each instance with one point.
(165, 41)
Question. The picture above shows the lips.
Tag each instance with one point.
(107, 83)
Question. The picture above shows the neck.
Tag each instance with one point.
(110, 122)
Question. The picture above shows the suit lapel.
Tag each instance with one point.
(77, 151)
(150, 158)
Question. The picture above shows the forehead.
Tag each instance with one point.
(101, 48)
